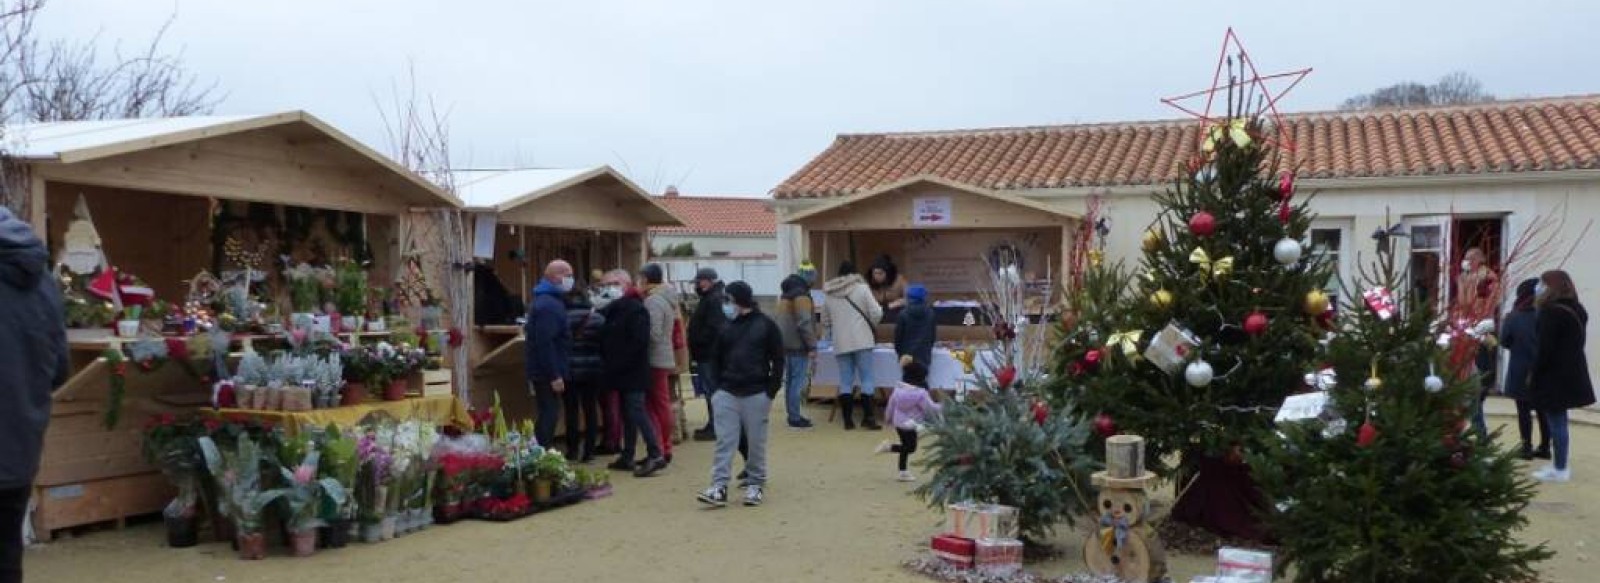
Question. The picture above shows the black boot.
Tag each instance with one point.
(867, 422)
(847, 405)
(1543, 453)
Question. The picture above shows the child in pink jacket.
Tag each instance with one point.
(908, 407)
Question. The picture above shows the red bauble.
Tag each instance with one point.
(1006, 376)
(1104, 425)
(1075, 368)
(1091, 359)
(1367, 435)
(1458, 460)
(1255, 324)
(1202, 224)
(1041, 412)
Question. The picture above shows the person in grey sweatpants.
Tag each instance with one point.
(746, 368)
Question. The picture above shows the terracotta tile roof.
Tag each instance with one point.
(714, 215)
(1509, 136)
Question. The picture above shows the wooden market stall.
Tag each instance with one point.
(594, 218)
(939, 232)
(164, 198)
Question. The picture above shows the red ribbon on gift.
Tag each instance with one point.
(1381, 301)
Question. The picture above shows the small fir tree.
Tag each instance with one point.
(1395, 489)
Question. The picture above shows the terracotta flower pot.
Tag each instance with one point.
(542, 490)
(352, 394)
(181, 532)
(252, 546)
(396, 390)
(304, 542)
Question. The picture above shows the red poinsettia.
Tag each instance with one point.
(1041, 413)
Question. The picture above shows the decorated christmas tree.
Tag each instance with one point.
(1221, 319)
(1376, 478)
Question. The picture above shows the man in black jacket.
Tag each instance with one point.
(746, 369)
(704, 326)
(33, 362)
(625, 354)
(585, 367)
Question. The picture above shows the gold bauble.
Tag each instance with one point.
(1373, 384)
(1161, 299)
(1316, 302)
(1153, 240)
(1096, 256)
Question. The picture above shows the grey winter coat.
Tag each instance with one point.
(33, 349)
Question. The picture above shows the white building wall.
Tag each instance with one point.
(1361, 209)
(708, 245)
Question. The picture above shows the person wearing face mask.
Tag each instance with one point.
(746, 367)
(625, 354)
(1477, 299)
(705, 324)
(547, 347)
(603, 294)
(1560, 377)
(583, 393)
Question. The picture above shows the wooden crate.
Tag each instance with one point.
(110, 499)
(437, 383)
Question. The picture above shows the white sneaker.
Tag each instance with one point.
(906, 476)
(884, 446)
(753, 495)
(1549, 473)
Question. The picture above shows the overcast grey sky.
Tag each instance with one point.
(731, 97)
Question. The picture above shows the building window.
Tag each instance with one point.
(1427, 261)
(1328, 243)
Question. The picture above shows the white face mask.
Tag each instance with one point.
(1538, 290)
(607, 295)
(1466, 265)
(566, 283)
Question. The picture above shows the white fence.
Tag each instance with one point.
(763, 275)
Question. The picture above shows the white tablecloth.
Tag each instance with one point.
(945, 373)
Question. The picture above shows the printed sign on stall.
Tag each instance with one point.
(931, 211)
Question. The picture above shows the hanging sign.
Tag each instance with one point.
(931, 211)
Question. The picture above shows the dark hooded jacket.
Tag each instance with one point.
(796, 316)
(548, 341)
(625, 344)
(33, 349)
(1519, 336)
(914, 332)
(1560, 369)
(747, 359)
(585, 324)
(707, 322)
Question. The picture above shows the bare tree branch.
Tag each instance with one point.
(1457, 88)
(417, 131)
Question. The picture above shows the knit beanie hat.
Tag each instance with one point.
(742, 295)
(652, 273)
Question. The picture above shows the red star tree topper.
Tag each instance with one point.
(1248, 86)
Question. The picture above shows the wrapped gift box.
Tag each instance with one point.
(961, 519)
(955, 550)
(1244, 565)
(1000, 556)
(1170, 348)
(996, 521)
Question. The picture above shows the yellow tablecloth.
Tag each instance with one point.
(439, 410)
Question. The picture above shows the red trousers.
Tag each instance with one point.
(611, 411)
(658, 406)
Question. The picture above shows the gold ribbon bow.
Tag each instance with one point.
(1233, 129)
(1127, 341)
(1220, 268)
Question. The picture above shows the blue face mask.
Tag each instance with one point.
(730, 311)
(1538, 290)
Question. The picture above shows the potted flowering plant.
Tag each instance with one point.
(238, 477)
(170, 444)
(341, 463)
(394, 365)
(303, 493)
(550, 471)
(350, 294)
(372, 485)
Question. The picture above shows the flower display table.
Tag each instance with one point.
(439, 410)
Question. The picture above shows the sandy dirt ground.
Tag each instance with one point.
(833, 513)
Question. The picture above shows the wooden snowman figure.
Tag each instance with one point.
(1123, 544)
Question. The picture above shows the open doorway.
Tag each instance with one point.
(1438, 245)
(1484, 234)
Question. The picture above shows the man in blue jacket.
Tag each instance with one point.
(33, 361)
(548, 346)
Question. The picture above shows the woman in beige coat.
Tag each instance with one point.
(849, 314)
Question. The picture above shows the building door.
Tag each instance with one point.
(1426, 274)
